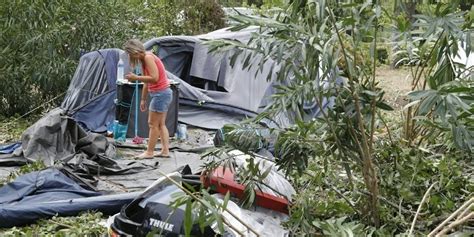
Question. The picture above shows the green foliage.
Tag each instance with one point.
(341, 163)
(408, 174)
(253, 3)
(203, 209)
(86, 224)
(448, 112)
(338, 227)
(405, 174)
(41, 42)
(307, 42)
(443, 102)
(12, 128)
(170, 17)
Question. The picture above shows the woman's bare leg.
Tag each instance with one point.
(164, 135)
(153, 121)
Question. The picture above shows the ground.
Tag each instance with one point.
(396, 83)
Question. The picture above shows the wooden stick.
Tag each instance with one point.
(440, 226)
(455, 223)
(419, 208)
(465, 212)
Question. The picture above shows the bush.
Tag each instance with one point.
(169, 17)
(41, 43)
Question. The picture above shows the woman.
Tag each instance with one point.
(156, 85)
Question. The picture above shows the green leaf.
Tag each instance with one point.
(416, 95)
(427, 104)
(188, 218)
(384, 106)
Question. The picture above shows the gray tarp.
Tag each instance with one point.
(55, 136)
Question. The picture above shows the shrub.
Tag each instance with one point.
(41, 43)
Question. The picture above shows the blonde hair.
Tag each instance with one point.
(134, 46)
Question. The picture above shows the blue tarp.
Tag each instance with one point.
(8, 149)
(46, 193)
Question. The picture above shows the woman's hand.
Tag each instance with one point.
(143, 105)
(131, 77)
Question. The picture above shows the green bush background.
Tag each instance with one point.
(41, 41)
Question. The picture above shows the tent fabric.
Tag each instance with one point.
(207, 118)
(56, 136)
(12, 160)
(39, 186)
(49, 192)
(10, 148)
(243, 89)
(91, 93)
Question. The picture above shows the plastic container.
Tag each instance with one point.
(181, 132)
(120, 71)
(120, 131)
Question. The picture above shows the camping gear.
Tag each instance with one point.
(122, 112)
(171, 115)
(150, 212)
(50, 192)
(120, 71)
(274, 192)
(223, 181)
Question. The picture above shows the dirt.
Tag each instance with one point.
(396, 83)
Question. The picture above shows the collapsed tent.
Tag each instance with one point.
(50, 192)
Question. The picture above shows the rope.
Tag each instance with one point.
(31, 111)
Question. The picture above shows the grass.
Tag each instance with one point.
(86, 224)
(12, 128)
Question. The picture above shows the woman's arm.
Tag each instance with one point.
(151, 68)
(144, 92)
(144, 97)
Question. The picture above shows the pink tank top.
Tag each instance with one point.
(163, 81)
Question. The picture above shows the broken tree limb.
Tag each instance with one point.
(454, 214)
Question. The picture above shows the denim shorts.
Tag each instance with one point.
(160, 100)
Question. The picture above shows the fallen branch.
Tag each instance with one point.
(419, 208)
(464, 213)
(454, 214)
(455, 223)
